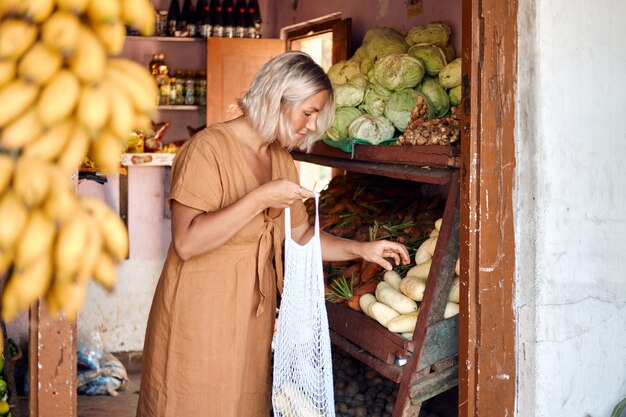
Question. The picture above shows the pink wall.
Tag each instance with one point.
(365, 14)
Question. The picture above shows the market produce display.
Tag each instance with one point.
(63, 97)
(390, 80)
(363, 208)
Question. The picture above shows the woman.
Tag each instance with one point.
(207, 347)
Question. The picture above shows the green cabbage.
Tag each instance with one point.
(450, 75)
(431, 56)
(348, 95)
(372, 129)
(455, 95)
(343, 117)
(398, 71)
(435, 33)
(399, 107)
(437, 95)
(375, 99)
(360, 80)
(342, 71)
(450, 53)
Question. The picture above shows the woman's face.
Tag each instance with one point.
(302, 119)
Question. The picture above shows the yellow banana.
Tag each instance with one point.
(103, 11)
(61, 204)
(143, 123)
(58, 98)
(76, 7)
(8, 7)
(6, 259)
(104, 272)
(66, 298)
(61, 31)
(21, 131)
(7, 163)
(106, 152)
(15, 98)
(75, 150)
(26, 285)
(40, 64)
(36, 10)
(16, 36)
(36, 240)
(111, 35)
(138, 72)
(139, 14)
(7, 70)
(91, 252)
(113, 229)
(88, 60)
(142, 95)
(13, 218)
(31, 181)
(122, 116)
(93, 108)
(51, 143)
(70, 246)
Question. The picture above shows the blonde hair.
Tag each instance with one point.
(280, 85)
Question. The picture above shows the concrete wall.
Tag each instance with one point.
(570, 215)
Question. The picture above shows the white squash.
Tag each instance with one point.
(407, 335)
(455, 291)
(452, 309)
(434, 233)
(382, 313)
(432, 245)
(420, 270)
(393, 279)
(457, 266)
(438, 223)
(365, 301)
(387, 295)
(413, 287)
(403, 323)
(422, 255)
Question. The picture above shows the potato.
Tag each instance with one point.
(365, 301)
(403, 323)
(452, 309)
(413, 287)
(420, 270)
(387, 295)
(393, 279)
(422, 255)
(455, 292)
(382, 313)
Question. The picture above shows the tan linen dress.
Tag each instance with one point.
(207, 347)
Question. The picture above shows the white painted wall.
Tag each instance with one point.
(571, 208)
(120, 317)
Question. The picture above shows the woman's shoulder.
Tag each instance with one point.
(215, 136)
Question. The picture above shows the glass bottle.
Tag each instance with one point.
(228, 18)
(163, 82)
(203, 19)
(179, 88)
(173, 19)
(188, 19)
(157, 60)
(240, 19)
(190, 88)
(201, 88)
(217, 31)
(253, 22)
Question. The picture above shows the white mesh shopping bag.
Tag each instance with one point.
(303, 376)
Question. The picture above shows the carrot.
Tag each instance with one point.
(353, 303)
(364, 288)
(369, 270)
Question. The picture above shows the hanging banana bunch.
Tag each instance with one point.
(64, 96)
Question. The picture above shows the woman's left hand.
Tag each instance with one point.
(378, 250)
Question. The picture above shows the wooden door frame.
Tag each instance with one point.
(487, 379)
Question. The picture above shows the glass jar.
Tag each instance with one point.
(190, 88)
(201, 88)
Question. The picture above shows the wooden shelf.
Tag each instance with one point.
(181, 107)
(165, 39)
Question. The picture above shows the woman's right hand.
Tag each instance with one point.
(281, 193)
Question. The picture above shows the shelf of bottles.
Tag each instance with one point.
(205, 19)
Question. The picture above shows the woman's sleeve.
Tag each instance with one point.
(195, 178)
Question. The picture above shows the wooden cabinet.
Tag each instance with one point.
(427, 364)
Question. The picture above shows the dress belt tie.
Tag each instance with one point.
(270, 239)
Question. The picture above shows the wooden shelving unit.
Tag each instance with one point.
(427, 364)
